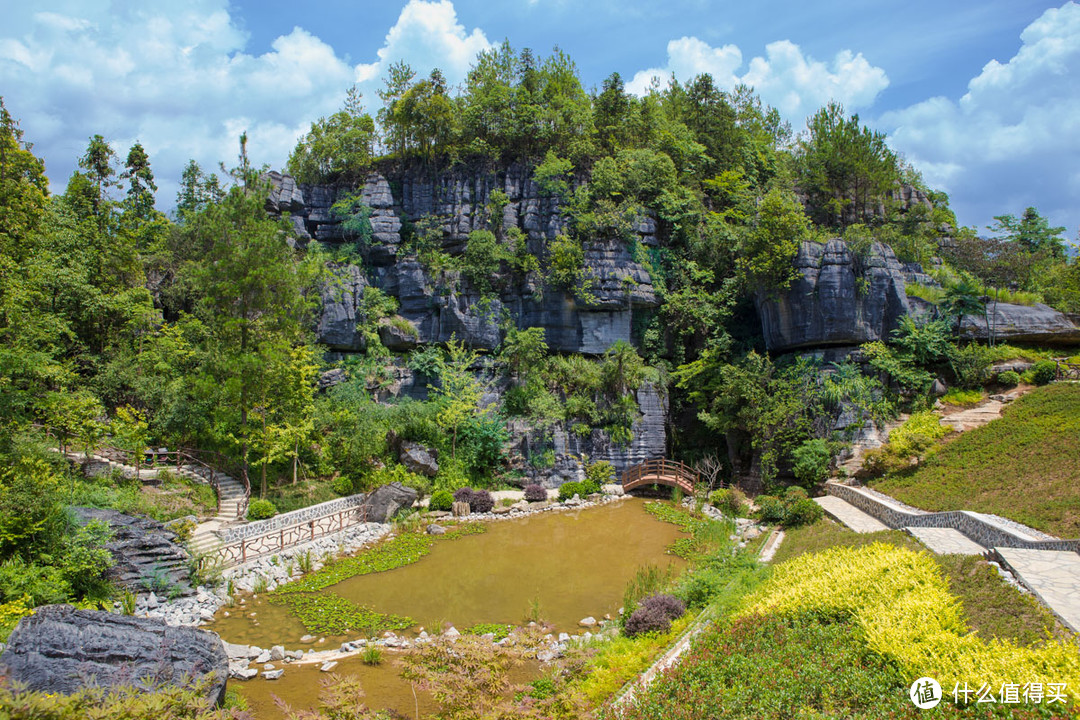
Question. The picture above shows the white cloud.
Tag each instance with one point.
(1013, 139)
(427, 35)
(795, 84)
(177, 77)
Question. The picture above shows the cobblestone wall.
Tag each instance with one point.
(262, 527)
(980, 530)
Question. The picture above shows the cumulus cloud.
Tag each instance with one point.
(177, 77)
(785, 78)
(1013, 139)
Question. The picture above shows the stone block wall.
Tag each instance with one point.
(979, 529)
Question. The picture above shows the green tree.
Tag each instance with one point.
(845, 168)
(767, 250)
(251, 299)
(336, 148)
(459, 391)
(24, 189)
(1032, 232)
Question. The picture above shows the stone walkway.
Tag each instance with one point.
(847, 514)
(946, 541)
(1053, 575)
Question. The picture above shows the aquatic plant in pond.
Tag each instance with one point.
(498, 630)
(329, 614)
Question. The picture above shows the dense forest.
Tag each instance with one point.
(122, 325)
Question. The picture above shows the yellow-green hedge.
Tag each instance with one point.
(901, 602)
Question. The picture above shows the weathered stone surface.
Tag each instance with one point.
(330, 378)
(398, 336)
(1021, 323)
(385, 502)
(418, 459)
(60, 649)
(143, 550)
(837, 299)
(457, 200)
(341, 299)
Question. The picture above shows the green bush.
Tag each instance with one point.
(811, 462)
(599, 473)
(441, 500)
(1009, 378)
(794, 494)
(1043, 372)
(342, 485)
(259, 509)
(771, 509)
(570, 489)
(729, 501)
(803, 511)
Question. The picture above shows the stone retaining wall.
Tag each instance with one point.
(978, 529)
(263, 527)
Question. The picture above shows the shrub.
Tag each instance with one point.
(464, 495)
(535, 493)
(570, 489)
(811, 462)
(729, 501)
(441, 500)
(803, 511)
(1009, 378)
(771, 509)
(670, 605)
(647, 620)
(260, 509)
(342, 485)
(599, 473)
(794, 494)
(1043, 372)
(481, 502)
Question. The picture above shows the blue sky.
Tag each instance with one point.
(982, 97)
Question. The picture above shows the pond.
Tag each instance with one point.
(570, 564)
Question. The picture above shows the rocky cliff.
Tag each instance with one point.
(456, 203)
(839, 298)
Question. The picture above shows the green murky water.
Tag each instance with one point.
(573, 563)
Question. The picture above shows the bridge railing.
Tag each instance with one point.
(659, 467)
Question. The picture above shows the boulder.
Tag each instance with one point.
(838, 298)
(61, 649)
(145, 552)
(418, 459)
(385, 502)
(1040, 324)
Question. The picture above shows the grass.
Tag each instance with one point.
(1025, 466)
(175, 497)
(956, 396)
(991, 607)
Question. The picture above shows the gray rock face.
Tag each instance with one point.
(1019, 323)
(838, 299)
(341, 299)
(144, 551)
(455, 203)
(385, 502)
(418, 459)
(61, 649)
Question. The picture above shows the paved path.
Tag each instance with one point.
(1053, 575)
(849, 515)
(946, 541)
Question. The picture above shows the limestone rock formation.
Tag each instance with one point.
(418, 459)
(385, 502)
(455, 203)
(839, 298)
(60, 649)
(1038, 324)
(145, 552)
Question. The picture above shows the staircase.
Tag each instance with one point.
(232, 498)
(231, 501)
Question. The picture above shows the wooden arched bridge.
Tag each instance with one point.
(660, 471)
